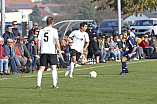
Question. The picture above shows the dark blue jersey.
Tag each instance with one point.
(131, 43)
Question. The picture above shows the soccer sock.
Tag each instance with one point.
(68, 68)
(39, 77)
(54, 77)
(71, 68)
(123, 66)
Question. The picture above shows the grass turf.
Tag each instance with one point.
(136, 87)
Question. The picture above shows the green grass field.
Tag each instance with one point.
(139, 86)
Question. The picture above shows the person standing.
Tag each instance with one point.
(80, 37)
(91, 34)
(15, 29)
(8, 34)
(47, 42)
(130, 54)
(32, 31)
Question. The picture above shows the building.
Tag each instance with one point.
(131, 18)
(23, 6)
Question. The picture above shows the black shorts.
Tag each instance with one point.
(75, 53)
(48, 58)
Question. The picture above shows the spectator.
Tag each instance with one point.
(13, 59)
(132, 33)
(3, 60)
(24, 53)
(152, 44)
(145, 45)
(8, 34)
(15, 29)
(25, 40)
(114, 51)
(97, 51)
(102, 46)
(32, 31)
(33, 53)
(121, 46)
(91, 35)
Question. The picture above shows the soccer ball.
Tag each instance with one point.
(93, 74)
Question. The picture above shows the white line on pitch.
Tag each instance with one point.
(81, 69)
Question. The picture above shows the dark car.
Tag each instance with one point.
(109, 27)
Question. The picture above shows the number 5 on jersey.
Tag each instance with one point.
(46, 37)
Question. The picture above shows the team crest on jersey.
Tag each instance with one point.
(81, 39)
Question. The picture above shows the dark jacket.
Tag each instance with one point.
(26, 52)
(16, 32)
(31, 31)
(31, 49)
(91, 34)
(95, 47)
(7, 35)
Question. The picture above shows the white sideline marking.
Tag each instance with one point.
(81, 69)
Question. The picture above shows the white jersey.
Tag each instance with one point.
(47, 36)
(79, 40)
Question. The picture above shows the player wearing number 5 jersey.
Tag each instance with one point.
(47, 42)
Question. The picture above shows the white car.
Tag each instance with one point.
(145, 27)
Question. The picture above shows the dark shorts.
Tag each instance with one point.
(75, 53)
(133, 55)
(48, 58)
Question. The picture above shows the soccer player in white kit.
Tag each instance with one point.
(77, 47)
(47, 42)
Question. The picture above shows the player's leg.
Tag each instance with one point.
(39, 76)
(54, 76)
(73, 55)
(72, 66)
(124, 67)
(43, 63)
(53, 62)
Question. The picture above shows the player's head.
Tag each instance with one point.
(126, 34)
(49, 21)
(83, 26)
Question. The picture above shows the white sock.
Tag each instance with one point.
(39, 77)
(68, 68)
(54, 77)
(71, 68)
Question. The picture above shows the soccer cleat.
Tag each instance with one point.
(70, 76)
(122, 73)
(126, 71)
(66, 73)
(55, 87)
(38, 87)
(15, 73)
(77, 65)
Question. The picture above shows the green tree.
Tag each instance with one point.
(128, 6)
(36, 15)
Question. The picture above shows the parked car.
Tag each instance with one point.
(109, 27)
(145, 27)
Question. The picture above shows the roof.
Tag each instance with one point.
(147, 13)
(19, 4)
(45, 13)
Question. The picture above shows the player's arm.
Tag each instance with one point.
(85, 48)
(134, 49)
(58, 44)
(39, 41)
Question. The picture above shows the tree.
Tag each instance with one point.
(36, 15)
(128, 6)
